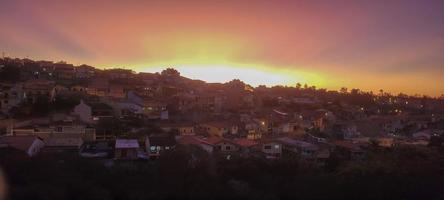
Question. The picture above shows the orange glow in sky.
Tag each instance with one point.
(391, 45)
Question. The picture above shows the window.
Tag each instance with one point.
(227, 148)
(267, 147)
(276, 146)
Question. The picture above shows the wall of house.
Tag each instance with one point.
(84, 112)
(186, 130)
(126, 153)
(214, 131)
(226, 147)
(272, 148)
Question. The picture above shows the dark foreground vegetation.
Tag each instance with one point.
(187, 173)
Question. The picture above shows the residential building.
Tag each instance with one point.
(11, 95)
(35, 89)
(304, 149)
(271, 149)
(219, 128)
(126, 149)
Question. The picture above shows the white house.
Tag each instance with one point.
(84, 112)
(272, 149)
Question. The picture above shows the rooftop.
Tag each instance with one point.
(126, 143)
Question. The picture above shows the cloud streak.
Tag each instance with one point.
(391, 44)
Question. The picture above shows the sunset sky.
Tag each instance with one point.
(397, 46)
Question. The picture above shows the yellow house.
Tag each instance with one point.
(385, 141)
(219, 128)
(186, 130)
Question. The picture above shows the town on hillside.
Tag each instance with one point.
(118, 117)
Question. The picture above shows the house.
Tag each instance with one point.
(99, 87)
(119, 73)
(38, 89)
(64, 141)
(71, 129)
(345, 130)
(305, 100)
(288, 128)
(31, 145)
(322, 155)
(78, 89)
(11, 95)
(155, 145)
(254, 135)
(219, 128)
(271, 149)
(96, 149)
(84, 112)
(150, 108)
(101, 111)
(135, 97)
(246, 146)
(181, 128)
(6, 125)
(385, 142)
(62, 134)
(116, 91)
(64, 71)
(126, 149)
(210, 101)
(60, 90)
(185, 102)
(186, 129)
(154, 109)
(84, 71)
(196, 141)
(223, 145)
(304, 149)
(123, 108)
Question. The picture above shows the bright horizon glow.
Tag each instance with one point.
(253, 76)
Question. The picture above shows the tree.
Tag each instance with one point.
(298, 86)
(355, 91)
(170, 72)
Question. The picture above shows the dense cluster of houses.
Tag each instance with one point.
(229, 119)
